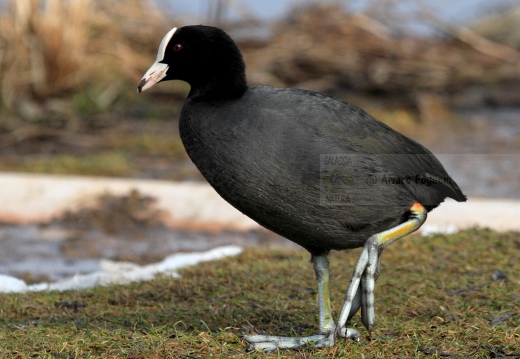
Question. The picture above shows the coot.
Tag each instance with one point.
(317, 170)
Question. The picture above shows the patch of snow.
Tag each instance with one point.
(429, 229)
(121, 272)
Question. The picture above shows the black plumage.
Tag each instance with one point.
(262, 155)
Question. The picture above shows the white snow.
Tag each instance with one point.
(429, 229)
(121, 272)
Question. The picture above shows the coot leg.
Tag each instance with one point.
(367, 269)
(321, 269)
(327, 328)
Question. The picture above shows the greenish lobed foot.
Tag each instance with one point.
(272, 342)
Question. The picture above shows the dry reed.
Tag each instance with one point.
(52, 48)
(49, 48)
(322, 47)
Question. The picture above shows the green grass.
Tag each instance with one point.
(435, 298)
(123, 151)
(146, 144)
(108, 163)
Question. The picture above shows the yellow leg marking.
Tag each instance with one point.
(417, 218)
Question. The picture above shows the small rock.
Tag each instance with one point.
(503, 318)
(70, 305)
(499, 275)
(434, 351)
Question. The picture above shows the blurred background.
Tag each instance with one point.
(444, 73)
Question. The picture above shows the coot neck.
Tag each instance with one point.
(219, 88)
(220, 79)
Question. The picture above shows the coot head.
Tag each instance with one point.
(203, 56)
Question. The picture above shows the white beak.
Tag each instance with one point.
(154, 74)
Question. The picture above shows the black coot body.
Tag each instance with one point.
(262, 153)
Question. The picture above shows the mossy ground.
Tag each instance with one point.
(436, 297)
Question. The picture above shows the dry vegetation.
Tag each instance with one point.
(323, 47)
(53, 49)
(67, 67)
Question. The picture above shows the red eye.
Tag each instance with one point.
(177, 47)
